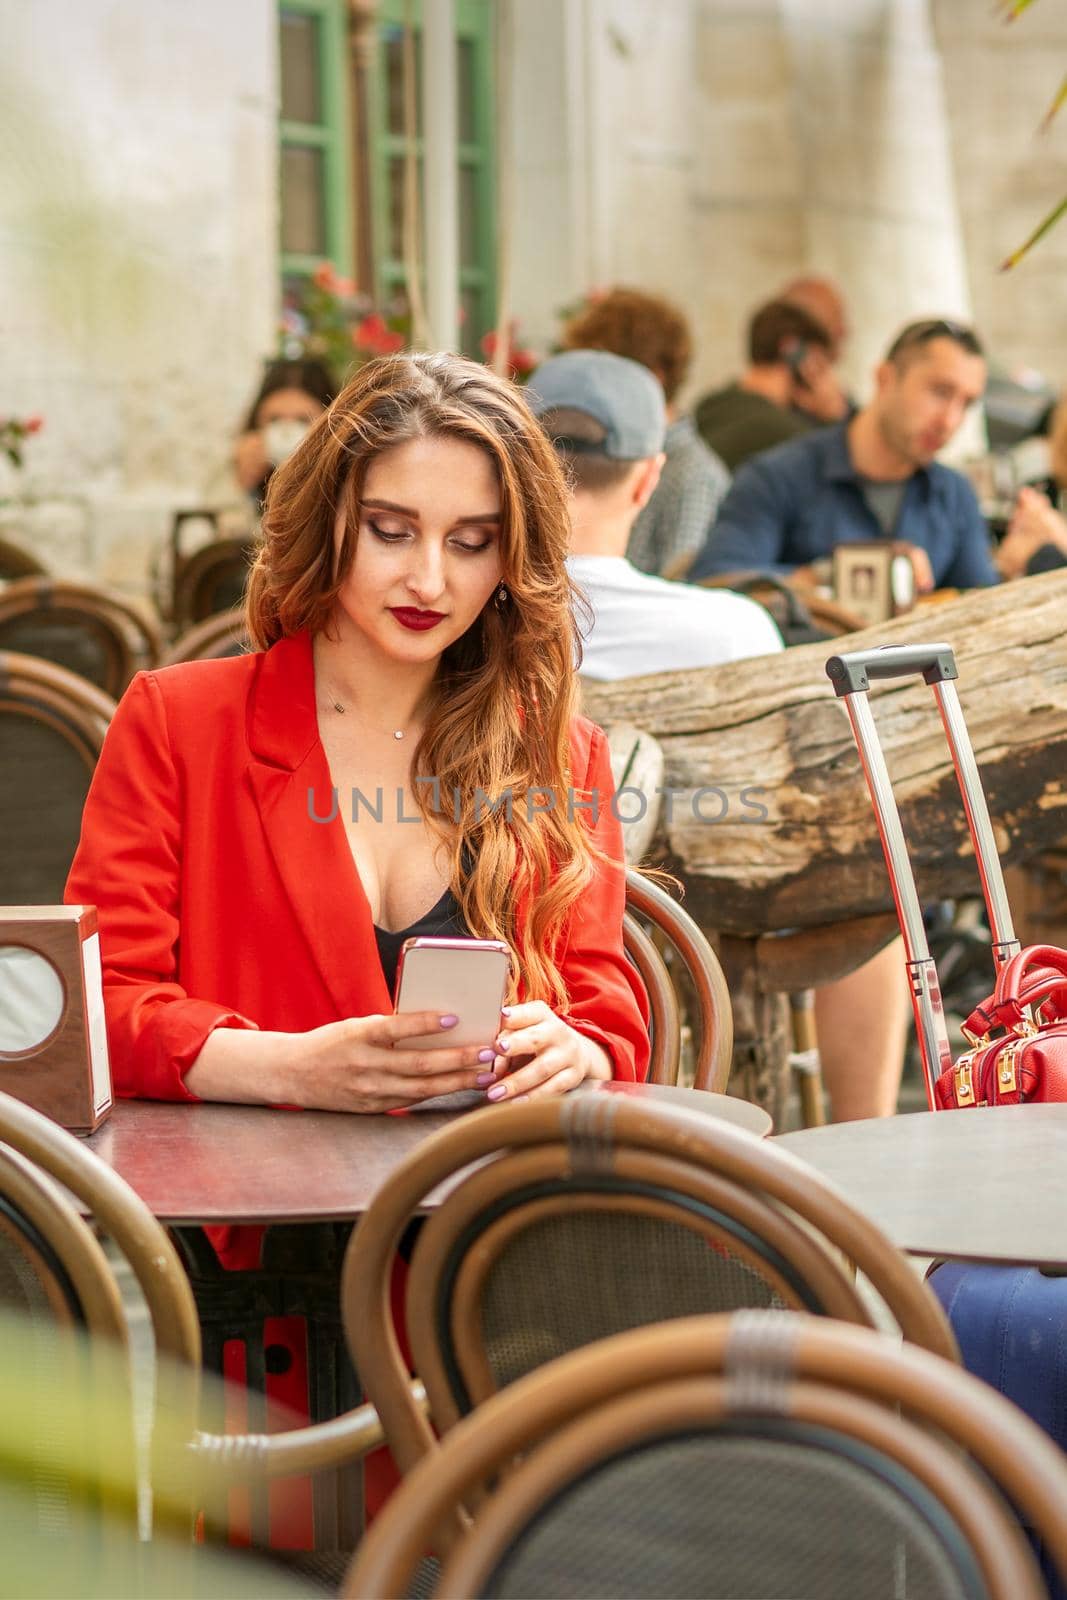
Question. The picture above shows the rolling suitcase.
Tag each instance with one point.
(1010, 1321)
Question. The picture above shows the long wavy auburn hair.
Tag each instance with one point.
(506, 691)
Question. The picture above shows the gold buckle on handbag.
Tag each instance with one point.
(1007, 1080)
(964, 1075)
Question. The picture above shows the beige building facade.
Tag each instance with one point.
(709, 149)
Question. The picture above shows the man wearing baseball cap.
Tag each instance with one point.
(607, 419)
(605, 415)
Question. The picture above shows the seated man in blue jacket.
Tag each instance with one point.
(873, 477)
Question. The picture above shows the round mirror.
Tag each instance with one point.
(31, 999)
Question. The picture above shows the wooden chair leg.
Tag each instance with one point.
(804, 1058)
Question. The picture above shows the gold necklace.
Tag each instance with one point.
(398, 733)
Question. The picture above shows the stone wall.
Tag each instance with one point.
(999, 80)
(138, 268)
(712, 149)
(709, 149)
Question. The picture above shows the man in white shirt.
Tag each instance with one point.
(607, 419)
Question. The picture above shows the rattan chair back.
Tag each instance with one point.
(700, 969)
(59, 1298)
(665, 1029)
(728, 1455)
(212, 580)
(221, 635)
(191, 1467)
(584, 1216)
(52, 726)
(91, 631)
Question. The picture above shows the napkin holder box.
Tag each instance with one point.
(53, 1039)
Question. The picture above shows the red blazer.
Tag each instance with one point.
(223, 904)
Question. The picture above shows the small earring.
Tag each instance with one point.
(501, 597)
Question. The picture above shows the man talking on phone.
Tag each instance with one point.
(788, 387)
(873, 477)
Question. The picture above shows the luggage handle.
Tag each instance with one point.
(850, 675)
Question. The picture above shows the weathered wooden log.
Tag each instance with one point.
(766, 816)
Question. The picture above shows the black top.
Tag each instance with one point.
(442, 921)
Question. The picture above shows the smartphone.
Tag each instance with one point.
(795, 358)
(465, 978)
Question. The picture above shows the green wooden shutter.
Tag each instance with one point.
(475, 159)
(315, 161)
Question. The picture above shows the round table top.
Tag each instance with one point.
(228, 1163)
(989, 1184)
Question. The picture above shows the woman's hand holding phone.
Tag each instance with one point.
(367, 1063)
(540, 1055)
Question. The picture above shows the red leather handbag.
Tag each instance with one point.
(1027, 1060)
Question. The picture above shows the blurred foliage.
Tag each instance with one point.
(326, 317)
(14, 431)
(1009, 10)
(69, 1482)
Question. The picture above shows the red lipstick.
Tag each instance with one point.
(417, 621)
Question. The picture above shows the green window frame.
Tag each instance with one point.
(322, 139)
(475, 157)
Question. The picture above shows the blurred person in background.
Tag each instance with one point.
(790, 370)
(874, 477)
(607, 421)
(675, 521)
(822, 299)
(292, 396)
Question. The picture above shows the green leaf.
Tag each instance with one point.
(1010, 9)
(1039, 232)
(1061, 96)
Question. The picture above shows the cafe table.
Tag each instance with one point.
(987, 1184)
(213, 1164)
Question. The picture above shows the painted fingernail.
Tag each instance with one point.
(484, 1079)
(505, 1011)
(449, 1021)
(497, 1093)
(502, 1046)
(486, 1055)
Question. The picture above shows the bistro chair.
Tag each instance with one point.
(221, 635)
(73, 1283)
(568, 1220)
(698, 968)
(87, 630)
(665, 1025)
(211, 580)
(15, 562)
(786, 1457)
(57, 1285)
(52, 726)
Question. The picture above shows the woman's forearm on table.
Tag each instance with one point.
(248, 1066)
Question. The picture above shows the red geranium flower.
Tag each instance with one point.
(376, 337)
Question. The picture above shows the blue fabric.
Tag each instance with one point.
(1011, 1325)
(791, 505)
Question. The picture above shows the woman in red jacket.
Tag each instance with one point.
(400, 756)
(263, 831)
